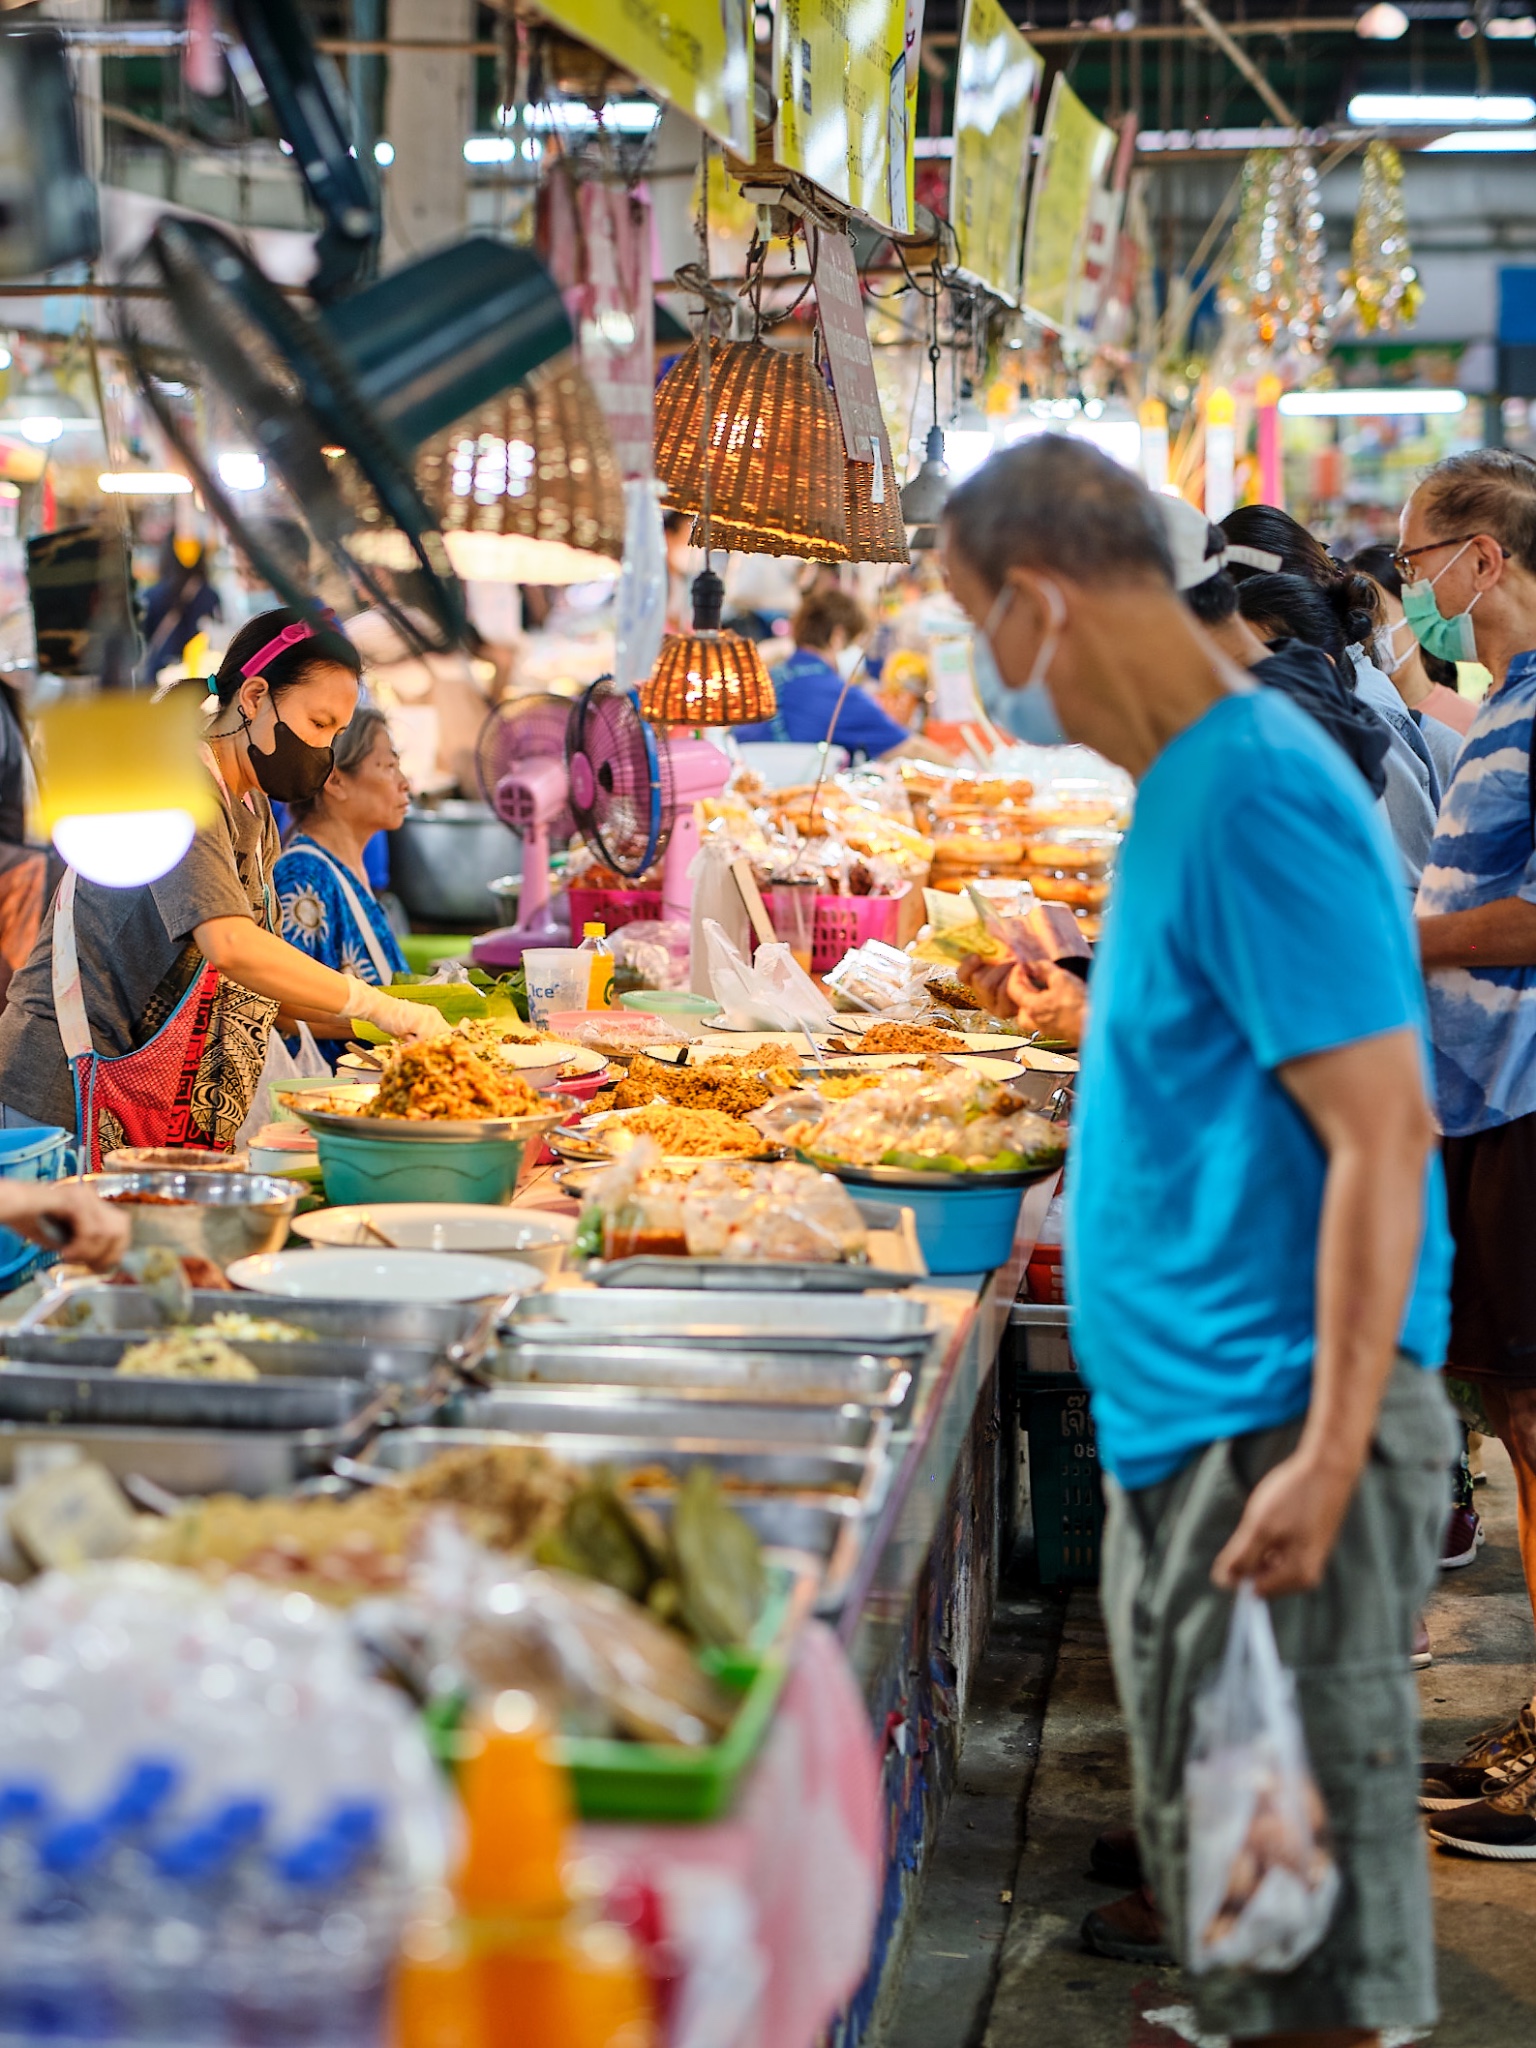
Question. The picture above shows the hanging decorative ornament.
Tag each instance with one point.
(1275, 287)
(1381, 274)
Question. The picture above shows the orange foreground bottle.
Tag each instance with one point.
(516, 1966)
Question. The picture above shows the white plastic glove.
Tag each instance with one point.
(391, 1013)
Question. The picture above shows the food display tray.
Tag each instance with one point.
(892, 1323)
(770, 1276)
(685, 1412)
(806, 1379)
(395, 1342)
(827, 1526)
(321, 1114)
(44, 1394)
(190, 1461)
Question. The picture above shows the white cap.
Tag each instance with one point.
(1187, 531)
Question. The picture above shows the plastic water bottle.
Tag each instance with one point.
(57, 1978)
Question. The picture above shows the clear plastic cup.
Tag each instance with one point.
(557, 979)
(792, 912)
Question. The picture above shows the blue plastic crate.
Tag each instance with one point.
(38, 1153)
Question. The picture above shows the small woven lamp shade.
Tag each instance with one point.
(537, 462)
(707, 677)
(875, 532)
(775, 450)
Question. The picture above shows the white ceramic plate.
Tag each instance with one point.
(357, 1275)
(437, 1227)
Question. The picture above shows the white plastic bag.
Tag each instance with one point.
(774, 994)
(1262, 1879)
(640, 604)
(280, 1067)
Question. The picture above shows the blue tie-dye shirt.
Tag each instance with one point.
(1483, 1019)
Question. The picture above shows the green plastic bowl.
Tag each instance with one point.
(417, 1170)
(670, 1002)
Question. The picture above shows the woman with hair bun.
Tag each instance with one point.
(1413, 786)
(144, 1015)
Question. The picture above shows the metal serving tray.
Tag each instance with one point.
(808, 1379)
(44, 1394)
(191, 1461)
(891, 1323)
(382, 1341)
(828, 1527)
(682, 1412)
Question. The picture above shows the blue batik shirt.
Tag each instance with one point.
(314, 914)
(1483, 1019)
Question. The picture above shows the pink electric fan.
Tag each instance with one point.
(520, 760)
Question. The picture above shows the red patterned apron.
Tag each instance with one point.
(144, 1096)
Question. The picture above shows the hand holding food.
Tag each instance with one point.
(66, 1219)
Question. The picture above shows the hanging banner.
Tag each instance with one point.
(842, 121)
(1074, 154)
(997, 86)
(840, 309)
(694, 54)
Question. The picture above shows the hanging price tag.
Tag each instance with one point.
(840, 306)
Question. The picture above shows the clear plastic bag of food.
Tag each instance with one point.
(1262, 1878)
(785, 1212)
(879, 977)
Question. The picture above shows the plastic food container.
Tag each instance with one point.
(965, 1224)
(41, 1154)
(367, 1169)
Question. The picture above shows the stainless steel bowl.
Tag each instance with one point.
(443, 860)
(217, 1216)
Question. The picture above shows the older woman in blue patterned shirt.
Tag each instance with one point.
(324, 899)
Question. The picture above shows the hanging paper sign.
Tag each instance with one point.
(1074, 155)
(840, 307)
(841, 76)
(694, 54)
(998, 83)
(597, 243)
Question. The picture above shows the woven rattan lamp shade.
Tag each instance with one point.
(537, 462)
(708, 679)
(875, 532)
(775, 450)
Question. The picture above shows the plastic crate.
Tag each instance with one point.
(1066, 1488)
(31, 1152)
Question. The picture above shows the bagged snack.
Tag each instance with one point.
(1262, 1878)
(875, 976)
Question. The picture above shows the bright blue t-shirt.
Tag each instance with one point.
(1258, 916)
(808, 686)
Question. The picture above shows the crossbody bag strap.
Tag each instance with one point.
(381, 962)
(68, 999)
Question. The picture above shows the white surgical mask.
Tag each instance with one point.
(1384, 649)
(1029, 712)
(847, 660)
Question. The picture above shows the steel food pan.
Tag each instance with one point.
(683, 1412)
(45, 1394)
(804, 1379)
(189, 1461)
(748, 1471)
(766, 1322)
(385, 1341)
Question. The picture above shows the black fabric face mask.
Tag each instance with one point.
(293, 771)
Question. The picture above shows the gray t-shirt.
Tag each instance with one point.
(137, 957)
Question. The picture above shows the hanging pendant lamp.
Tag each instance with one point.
(707, 676)
(528, 486)
(774, 449)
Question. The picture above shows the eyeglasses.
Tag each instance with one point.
(1402, 558)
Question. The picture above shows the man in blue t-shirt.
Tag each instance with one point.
(809, 683)
(1257, 1252)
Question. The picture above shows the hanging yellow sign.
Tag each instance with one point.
(1075, 152)
(841, 74)
(694, 54)
(997, 85)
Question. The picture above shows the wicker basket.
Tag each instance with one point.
(535, 462)
(875, 532)
(775, 449)
(708, 678)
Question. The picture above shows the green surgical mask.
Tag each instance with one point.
(1451, 639)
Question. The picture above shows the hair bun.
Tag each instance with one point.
(1357, 606)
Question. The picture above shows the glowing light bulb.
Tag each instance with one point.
(124, 849)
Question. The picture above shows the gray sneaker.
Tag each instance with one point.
(1501, 1757)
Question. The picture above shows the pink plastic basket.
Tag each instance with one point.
(843, 922)
(611, 908)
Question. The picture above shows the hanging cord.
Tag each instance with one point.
(706, 347)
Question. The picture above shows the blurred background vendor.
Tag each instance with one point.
(144, 1015)
(828, 630)
(325, 903)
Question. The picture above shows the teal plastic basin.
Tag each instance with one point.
(417, 1170)
(960, 1230)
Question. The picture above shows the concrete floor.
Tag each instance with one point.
(994, 1963)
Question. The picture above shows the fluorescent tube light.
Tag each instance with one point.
(1439, 109)
(1369, 404)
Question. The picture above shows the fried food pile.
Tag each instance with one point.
(445, 1080)
(733, 1083)
(901, 1038)
(694, 1133)
(185, 1354)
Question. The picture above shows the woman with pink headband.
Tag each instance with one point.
(143, 1016)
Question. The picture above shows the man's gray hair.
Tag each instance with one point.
(1056, 503)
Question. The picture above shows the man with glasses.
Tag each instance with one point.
(1468, 562)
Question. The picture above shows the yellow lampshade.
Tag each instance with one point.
(708, 679)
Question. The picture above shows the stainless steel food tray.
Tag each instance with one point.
(680, 1412)
(766, 1276)
(807, 1379)
(828, 1527)
(382, 1341)
(44, 1394)
(890, 1323)
(191, 1461)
